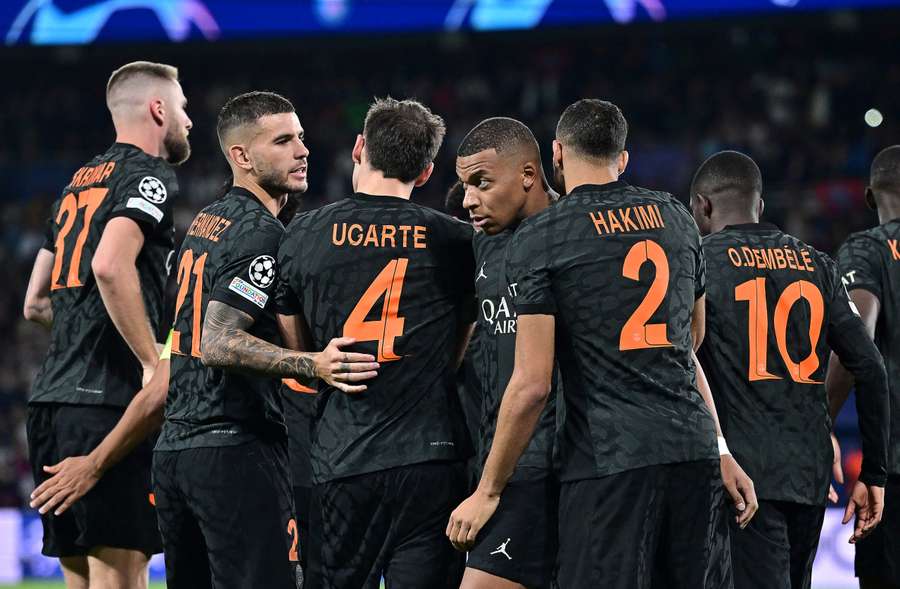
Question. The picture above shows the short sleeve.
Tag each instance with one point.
(248, 279)
(700, 272)
(462, 256)
(858, 261)
(288, 291)
(49, 243)
(528, 269)
(146, 196)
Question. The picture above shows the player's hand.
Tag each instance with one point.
(469, 517)
(837, 471)
(740, 487)
(342, 369)
(867, 502)
(72, 479)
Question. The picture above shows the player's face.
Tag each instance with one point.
(176, 144)
(278, 154)
(494, 189)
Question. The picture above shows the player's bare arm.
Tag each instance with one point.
(521, 407)
(73, 477)
(117, 277)
(37, 296)
(738, 484)
(839, 380)
(227, 344)
(857, 360)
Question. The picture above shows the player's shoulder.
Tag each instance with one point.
(870, 239)
(132, 161)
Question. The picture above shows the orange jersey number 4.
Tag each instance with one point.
(389, 286)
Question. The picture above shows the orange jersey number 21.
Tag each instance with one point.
(187, 266)
(388, 285)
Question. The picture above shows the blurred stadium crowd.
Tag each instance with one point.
(792, 93)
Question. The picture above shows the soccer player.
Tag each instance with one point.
(611, 279)
(499, 165)
(870, 263)
(388, 464)
(775, 306)
(98, 284)
(220, 471)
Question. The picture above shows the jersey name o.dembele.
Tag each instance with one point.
(771, 302)
(399, 278)
(620, 269)
(229, 255)
(497, 350)
(88, 361)
(870, 260)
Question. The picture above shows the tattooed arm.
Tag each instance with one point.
(227, 344)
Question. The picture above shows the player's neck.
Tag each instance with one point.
(272, 202)
(583, 173)
(888, 211)
(536, 202)
(376, 184)
(720, 222)
(144, 141)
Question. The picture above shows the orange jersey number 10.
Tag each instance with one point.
(637, 334)
(89, 200)
(187, 266)
(389, 285)
(754, 292)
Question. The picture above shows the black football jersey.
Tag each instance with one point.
(88, 361)
(299, 416)
(397, 277)
(870, 260)
(497, 326)
(620, 268)
(772, 303)
(229, 255)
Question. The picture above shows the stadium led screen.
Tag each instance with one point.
(55, 22)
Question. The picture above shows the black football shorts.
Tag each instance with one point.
(647, 528)
(227, 517)
(117, 512)
(519, 541)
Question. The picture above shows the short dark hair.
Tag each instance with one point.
(884, 175)
(728, 174)
(248, 108)
(500, 133)
(402, 137)
(593, 128)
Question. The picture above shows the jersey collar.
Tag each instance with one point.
(753, 227)
(616, 185)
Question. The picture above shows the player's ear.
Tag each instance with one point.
(358, 149)
(425, 175)
(158, 111)
(530, 175)
(622, 162)
(239, 157)
(760, 208)
(557, 154)
(870, 199)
